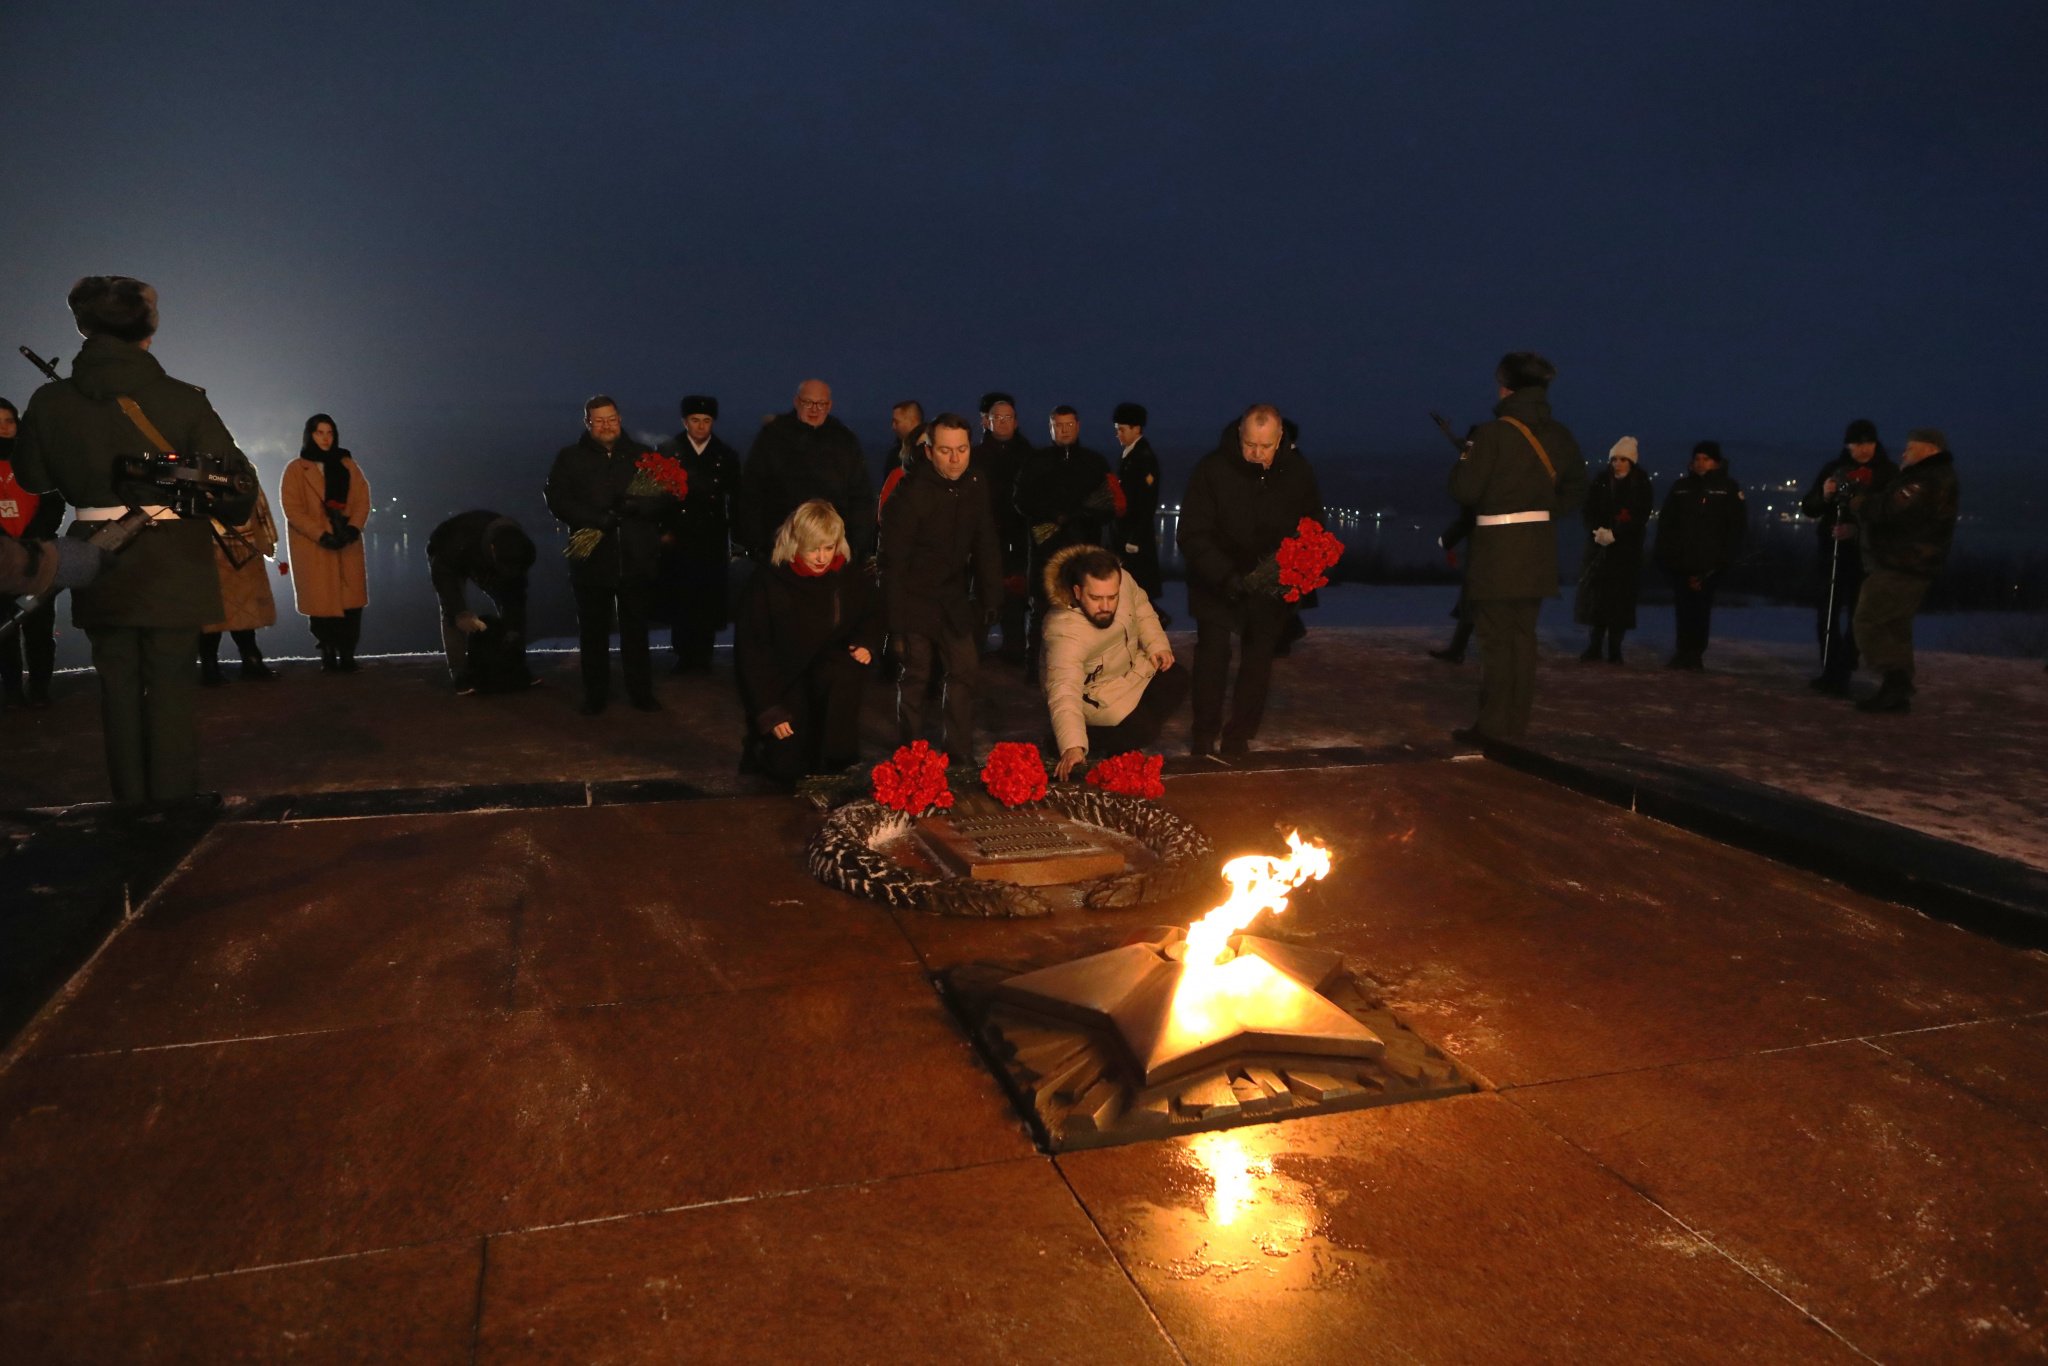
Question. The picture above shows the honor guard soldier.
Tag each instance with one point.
(81, 437)
(1137, 528)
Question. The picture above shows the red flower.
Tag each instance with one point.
(1015, 773)
(913, 781)
(1116, 494)
(665, 472)
(1306, 557)
(1130, 775)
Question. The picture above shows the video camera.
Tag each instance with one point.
(190, 485)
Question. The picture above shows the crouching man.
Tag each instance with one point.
(1109, 675)
(490, 551)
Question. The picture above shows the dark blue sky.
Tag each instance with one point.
(1751, 221)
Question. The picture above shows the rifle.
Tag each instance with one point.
(1443, 424)
(48, 367)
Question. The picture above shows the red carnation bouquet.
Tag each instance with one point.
(1133, 774)
(1116, 495)
(913, 781)
(1306, 558)
(1014, 773)
(657, 473)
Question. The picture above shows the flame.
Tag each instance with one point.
(1258, 882)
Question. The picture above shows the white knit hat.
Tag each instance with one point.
(1626, 449)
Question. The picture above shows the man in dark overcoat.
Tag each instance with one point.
(1242, 501)
(799, 455)
(999, 459)
(614, 551)
(696, 552)
(490, 550)
(942, 575)
(1699, 532)
(1516, 475)
(1063, 496)
(144, 614)
(1860, 466)
(1137, 470)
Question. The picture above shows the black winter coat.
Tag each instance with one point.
(1234, 517)
(586, 489)
(1611, 576)
(999, 463)
(458, 554)
(787, 621)
(1823, 510)
(1702, 525)
(1909, 523)
(792, 462)
(942, 566)
(1138, 472)
(701, 527)
(1065, 487)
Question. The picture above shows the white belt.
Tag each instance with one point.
(156, 512)
(1510, 518)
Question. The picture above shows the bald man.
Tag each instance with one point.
(799, 455)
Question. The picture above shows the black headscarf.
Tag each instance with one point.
(7, 442)
(337, 473)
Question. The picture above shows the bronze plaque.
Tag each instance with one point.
(1028, 848)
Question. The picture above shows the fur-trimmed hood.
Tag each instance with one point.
(1050, 578)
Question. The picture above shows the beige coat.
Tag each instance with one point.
(1095, 675)
(245, 591)
(325, 582)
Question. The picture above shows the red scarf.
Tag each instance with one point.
(804, 571)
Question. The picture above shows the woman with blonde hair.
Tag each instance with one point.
(326, 504)
(807, 630)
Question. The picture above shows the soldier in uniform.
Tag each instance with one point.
(1137, 529)
(697, 549)
(998, 460)
(1515, 476)
(144, 614)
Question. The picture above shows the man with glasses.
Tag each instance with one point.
(614, 551)
(1243, 500)
(803, 454)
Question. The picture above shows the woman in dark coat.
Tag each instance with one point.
(804, 637)
(1617, 514)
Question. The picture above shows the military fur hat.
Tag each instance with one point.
(1626, 449)
(1129, 415)
(1710, 449)
(699, 404)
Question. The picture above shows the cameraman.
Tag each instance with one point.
(144, 614)
(1858, 468)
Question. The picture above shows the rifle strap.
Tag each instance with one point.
(144, 425)
(1541, 454)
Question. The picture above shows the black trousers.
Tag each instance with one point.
(1507, 664)
(245, 643)
(1694, 609)
(1835, 627)
(825, 734)
(1140, 730)
(149, 695)
(957, 656)
(494, 658)
(339, 634)
(696, 591)
(1257, 624)
(596, 608)
(36, 642)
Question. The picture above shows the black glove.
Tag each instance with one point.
(1234, 588)
(989, 617)
(330, 541)
(349, 533)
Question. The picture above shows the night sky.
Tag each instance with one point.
(1747, 221)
